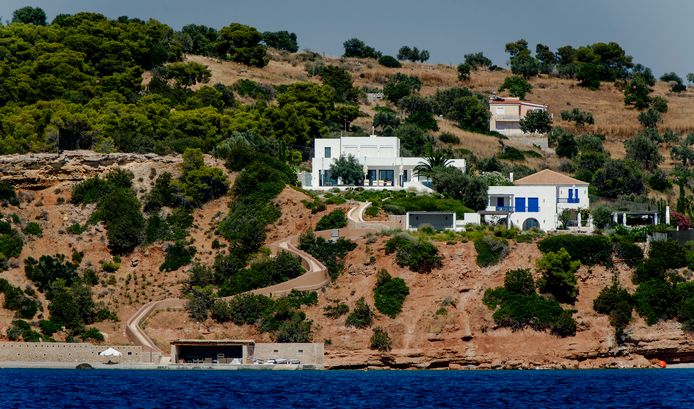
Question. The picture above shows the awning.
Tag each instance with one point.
(110, 352)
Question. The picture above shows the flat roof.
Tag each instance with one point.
(218, 342)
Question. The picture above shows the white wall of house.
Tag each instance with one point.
(550, 201)
(379, 156)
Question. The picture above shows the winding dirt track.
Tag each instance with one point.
(315, 277)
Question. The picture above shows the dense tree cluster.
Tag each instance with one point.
(413, 54)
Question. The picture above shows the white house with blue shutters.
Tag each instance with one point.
(536, 200)
(380, 158)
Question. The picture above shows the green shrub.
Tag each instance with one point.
(518, 306)
(416, 254)
(334, 220)
(490, 250)
(44, 271)
(589, 250)
(90, 277)
(92, 333)
(76, 228)
(220, 311)
(8, 194)
(48, 328)
(331, 254)
(519, 281)
(380, 340)
(616, 302)
(177, 256)
(33, 229)
(558, 276)
(361, 315)
(249, 308)
(426, 203)
(389, 293)
(120, 212)
(263, 273)
(685, 314)
(629, 252)
(200, 183)
(668, 254)
(656, 300)
(165, 192)
(23, 303)
(21, 331)
(11, 244)
(111, 266)
(335, 310)
(447, 137)
(511, 153)
(297, 298)
(389, 61)
(295, 329)
(90, 190)
(199, 302)
(372, 211)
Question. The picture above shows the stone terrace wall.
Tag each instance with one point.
(72, 352)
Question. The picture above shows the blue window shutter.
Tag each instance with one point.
(533, 204)
(571, 195)
(520, 204)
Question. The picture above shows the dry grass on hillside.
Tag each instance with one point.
(612, 117)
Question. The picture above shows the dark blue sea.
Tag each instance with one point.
(38, 388)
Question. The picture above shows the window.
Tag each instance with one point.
(520, 204)
(499, 202)
(533, 204)
(301, 350)
(327, 151)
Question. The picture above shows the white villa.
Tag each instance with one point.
(379, 156)
(506, 114)
(536, 200)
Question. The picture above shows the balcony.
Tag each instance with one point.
(503, 208)
(568, 200)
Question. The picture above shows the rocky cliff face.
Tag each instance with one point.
(38, 171)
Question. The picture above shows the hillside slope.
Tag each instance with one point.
(612, 118)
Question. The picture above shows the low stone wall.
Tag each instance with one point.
(306, 353)
(72, 352)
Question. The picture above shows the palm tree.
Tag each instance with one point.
(439, 159)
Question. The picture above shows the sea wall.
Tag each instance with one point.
(72, 352)
(307, 353)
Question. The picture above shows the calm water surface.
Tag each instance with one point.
(39, 388)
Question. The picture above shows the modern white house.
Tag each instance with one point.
(537, 201)
(379, 156)
(507, 112)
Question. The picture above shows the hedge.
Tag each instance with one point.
(590, 250)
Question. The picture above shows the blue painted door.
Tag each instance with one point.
(571, 195)
(533, 204)
(499, 202)
(520, 204)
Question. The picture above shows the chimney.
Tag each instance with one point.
(373, 131)
(510, 176)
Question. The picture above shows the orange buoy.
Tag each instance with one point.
(662, 364)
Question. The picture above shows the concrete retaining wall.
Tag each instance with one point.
(72, 352)
(307, 353)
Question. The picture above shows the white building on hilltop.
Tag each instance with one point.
(379, 156)
(537, 201)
